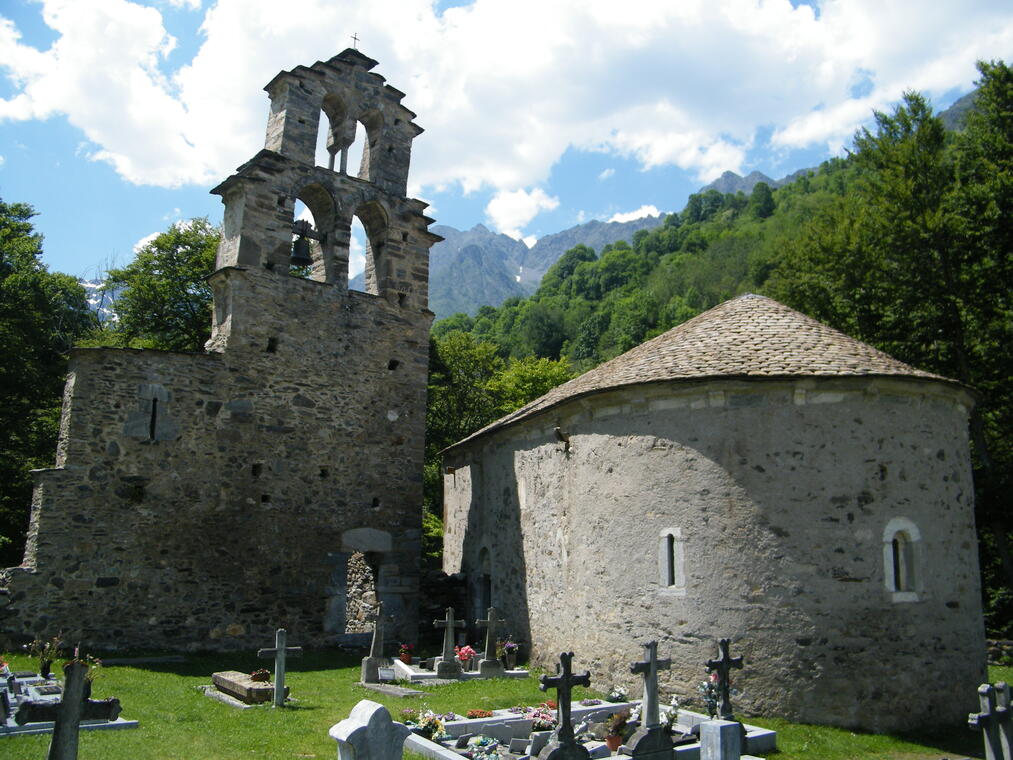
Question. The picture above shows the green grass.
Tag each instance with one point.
(179, 722)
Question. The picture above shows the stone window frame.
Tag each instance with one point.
(672, 562)
(902, 550)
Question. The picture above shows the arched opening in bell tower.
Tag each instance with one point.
(315, 255)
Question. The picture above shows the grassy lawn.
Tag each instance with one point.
(178, 721)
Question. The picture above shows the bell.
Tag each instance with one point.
(301, 253)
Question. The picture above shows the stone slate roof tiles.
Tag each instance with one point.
(747, 337)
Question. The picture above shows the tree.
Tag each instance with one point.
(526, 379)
(761, 201)
(165, 301)
(41, 314)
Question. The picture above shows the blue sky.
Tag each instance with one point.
(118, 116)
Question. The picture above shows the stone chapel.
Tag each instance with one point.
(750, 474)
(274, 480)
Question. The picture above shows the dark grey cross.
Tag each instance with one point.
(279, 653)
(448, 624)
(993, 720)
(649, 668)
(63, 745)
(723, 667)
(563, 684)
(355, 41)
(490, 623)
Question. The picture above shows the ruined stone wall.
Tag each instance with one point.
(777, 496)
(237, 511)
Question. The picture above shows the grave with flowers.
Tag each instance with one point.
(461, 662)
(593, 728)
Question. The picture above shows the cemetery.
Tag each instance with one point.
(275, 664)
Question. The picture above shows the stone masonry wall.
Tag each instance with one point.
(230, 522)
(776, 495)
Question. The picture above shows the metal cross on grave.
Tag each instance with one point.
(723, 668)
(490, 623)
(563, 684)
(448, 624)
(994, 721)
(279, 653)
(649, 668)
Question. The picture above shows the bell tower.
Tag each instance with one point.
(260, 232)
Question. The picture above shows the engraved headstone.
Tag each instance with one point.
(490, 666)
(280, 652)
(723, 667)
(994, 721)
(651, 739)
(564, 746)
(447, 665)
(369, 733)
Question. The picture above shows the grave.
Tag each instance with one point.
(652, 740)
(241, 686)
(447, 666)
(994, 721)
(723, 667)
(279, 652)
(30, 704)
(371, 664)
(369, 733)
(563, 745)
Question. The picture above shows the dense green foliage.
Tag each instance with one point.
(904, 244)
(41, 314)
(165, 302)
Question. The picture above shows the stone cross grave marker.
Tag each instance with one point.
(370, 672)
(651, 739)
(490, 666)
(448, 666)
(723, 667)
(994, 721)
(63, 745)
(280, 652)
(564, 746)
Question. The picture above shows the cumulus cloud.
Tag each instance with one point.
(640, 213)
(503, 89)
(510, 210)
(145, 240)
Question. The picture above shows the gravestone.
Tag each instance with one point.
(447, 665)
(369, 733)
(371, 664)
(280, 652)
(720, 740)
(723, 667)
(490, 666)
(994, 721)
(243, 687)
(63, 745)
(651, 740)
(563, 745)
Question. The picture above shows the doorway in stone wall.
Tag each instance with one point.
(361, 597)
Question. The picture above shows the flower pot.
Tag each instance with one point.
(511, 660)
(613, 741)
(44, 668)
(406, 658)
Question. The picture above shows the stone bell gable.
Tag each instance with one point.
(751, 474)
(275, 480)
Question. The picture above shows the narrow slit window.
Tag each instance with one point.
(671, 559)
(901, 547)
(153, 422)
(670, 556)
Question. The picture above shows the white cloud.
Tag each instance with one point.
(145, 240)
(606, 173)
(640, 213)
(529, 241)
(503, 89)
(3, 160)
(510, 210)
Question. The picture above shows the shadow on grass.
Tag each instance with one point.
(203, 664)
(957, 740)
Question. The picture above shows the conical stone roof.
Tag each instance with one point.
(747, 337)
